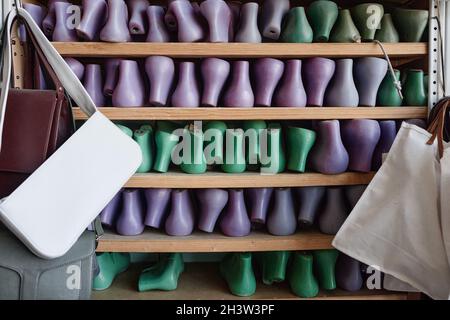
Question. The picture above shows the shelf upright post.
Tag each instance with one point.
(17, 47)
(439, 9)
(446, 69)
(5, 8)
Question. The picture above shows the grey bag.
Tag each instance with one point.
(24, 276)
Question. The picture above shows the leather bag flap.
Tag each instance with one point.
(27, 130)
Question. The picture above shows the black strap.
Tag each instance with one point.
(98, 228)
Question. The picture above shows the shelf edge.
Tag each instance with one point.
(238, 50)
(150, 242)
(274, 113)
(246, 180)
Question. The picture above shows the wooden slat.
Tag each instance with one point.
(147, 113)
(237, 50)
(155, 241)
(414, 296)
(201, 281)
(35, 2)
(180, 180)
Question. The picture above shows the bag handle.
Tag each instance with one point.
(69, 81)
(6, 61)
(40, 57)
(436, 127)
(35, 49)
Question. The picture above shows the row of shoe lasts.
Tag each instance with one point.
(306, 272)
(163, 275)
(330, 147)
(234, 211)
(221, 21)
(264, 82)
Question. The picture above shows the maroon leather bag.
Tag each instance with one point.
(36, 123)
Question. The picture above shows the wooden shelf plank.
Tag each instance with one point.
(157, 241)
(180, 180)
(238, 50)
(147, 113)
(201, 281)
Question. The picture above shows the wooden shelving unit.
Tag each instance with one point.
(238, 50)
(156, 241)
(274, 113)
(244, 180)
(201, 281)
